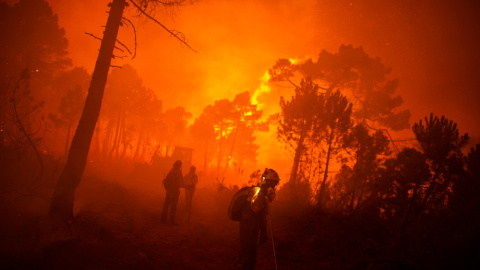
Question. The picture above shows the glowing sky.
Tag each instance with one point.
(432, 47)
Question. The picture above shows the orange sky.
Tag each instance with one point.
(432, 48)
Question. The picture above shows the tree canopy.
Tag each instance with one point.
(361, 78)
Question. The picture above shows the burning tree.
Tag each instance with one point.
(229, 124)
(362, 79)
(349, 75)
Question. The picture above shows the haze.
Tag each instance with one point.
(368, 105)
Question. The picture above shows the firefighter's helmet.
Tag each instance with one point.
(270, 178)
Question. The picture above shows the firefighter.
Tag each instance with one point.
(172, 184)
(253, 222)
(190, 181)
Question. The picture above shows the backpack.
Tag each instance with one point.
(237, 203)
(169, 181)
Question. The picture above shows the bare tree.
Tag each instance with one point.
(63, 197)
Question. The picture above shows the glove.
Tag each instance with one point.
(271, 194)
(264, 188)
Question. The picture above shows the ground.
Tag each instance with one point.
(117, 226)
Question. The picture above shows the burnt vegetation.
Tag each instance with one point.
(355, 197)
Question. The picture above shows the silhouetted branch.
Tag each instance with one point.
(388, 133)
(135, 36)
(117, 56)
(177, 35)
(118, 48)
(93, 36)
(114, 46)
(168, 3)
(125, 46)
(292, 83)
(405, 140)
(21, 127)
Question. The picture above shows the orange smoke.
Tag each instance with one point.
(237, 41)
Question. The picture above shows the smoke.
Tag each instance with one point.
(430, 45)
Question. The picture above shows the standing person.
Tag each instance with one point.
(253, 222)
(172, 184)
(190, 181)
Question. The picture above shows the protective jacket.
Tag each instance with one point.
(252, 225)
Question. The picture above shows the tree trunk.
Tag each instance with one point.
(64, 193)
(205, 157)
(67, 142)
(96, 138)
(219, 151)
(115, 139)
(121, 138)
(325, 175)
(359, 200)
(106, 139)
(296, 159)
(231, 148)
(125, 141)
(145, 145)
(141, 136)
(352, 200)
(423, 204)
(410, 208)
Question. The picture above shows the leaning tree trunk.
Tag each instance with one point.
(63, 196)
(293, 181)
(296, 160)
(325, 175)
(67, 142)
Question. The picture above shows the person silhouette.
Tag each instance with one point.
(172, 184)
(190, 181)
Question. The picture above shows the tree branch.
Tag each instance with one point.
(292, 83)
(93, 36)
(135, 36)
(21, 127)
(125, 46)
(388, 133)
(177, 35)
(114, 46)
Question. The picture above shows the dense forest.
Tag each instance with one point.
(355, 197)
